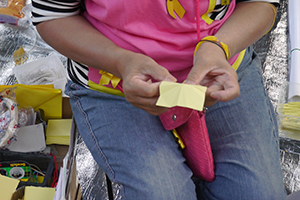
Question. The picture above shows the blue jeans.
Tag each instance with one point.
(134, 150)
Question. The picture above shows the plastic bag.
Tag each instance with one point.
(13, 12)
(47, 70)
(9, 117)
(26, 117)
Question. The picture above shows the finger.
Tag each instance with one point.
(214, 86)
(149, 105)
(154, 111)
(159, 74)
(231, 90)
(195, 77)
(210, 102)
(142, 89)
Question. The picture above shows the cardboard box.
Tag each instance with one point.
(65, 159)
(22, 163)
(33, 193)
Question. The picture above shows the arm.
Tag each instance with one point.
(77, 39)
(249, 22)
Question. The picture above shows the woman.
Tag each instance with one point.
(120, 51)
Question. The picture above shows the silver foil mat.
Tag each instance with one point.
(91, 186)
(92, 178)
(272, 50)
(276, 73)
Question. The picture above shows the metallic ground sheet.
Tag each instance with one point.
(272, 50)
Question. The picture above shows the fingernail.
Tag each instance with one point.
(215, 96)
(170, 78)
(188, 82)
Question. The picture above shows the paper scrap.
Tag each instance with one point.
(291, 116)
(38, 193)
(180, 94)
(7, 187)
(29, 139)
(58, 131)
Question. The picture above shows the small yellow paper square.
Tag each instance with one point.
(180, 94)
(58, 131)
(38, 193)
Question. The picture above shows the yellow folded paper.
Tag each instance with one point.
(38, 193)
(43, 97)
(58, 131)
(7, 187)
(180, 94)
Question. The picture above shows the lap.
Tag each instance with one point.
(135, 151)
(132, 147)
(244, 141)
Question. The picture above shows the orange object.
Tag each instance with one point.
(14, 8)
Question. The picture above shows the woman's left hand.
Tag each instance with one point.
(211, 69)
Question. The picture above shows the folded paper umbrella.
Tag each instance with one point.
(182, 95)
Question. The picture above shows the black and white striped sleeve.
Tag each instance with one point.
(275, 2)
(78, 72)
(44, 10)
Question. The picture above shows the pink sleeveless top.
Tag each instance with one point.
(146, 27)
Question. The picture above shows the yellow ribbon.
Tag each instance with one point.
(175, 6)
(225, 2)
(106, 78)
(178, 139)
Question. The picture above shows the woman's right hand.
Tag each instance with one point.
(141, 77)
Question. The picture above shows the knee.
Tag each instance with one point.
(243, 184)
(157, 183)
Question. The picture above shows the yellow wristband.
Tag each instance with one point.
(216, 41)
(275, 13)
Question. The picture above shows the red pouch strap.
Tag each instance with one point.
(175, 117)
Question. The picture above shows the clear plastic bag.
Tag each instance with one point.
(9, 117)
(47, 70)
(26, 117)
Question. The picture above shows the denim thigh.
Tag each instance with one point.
(131, 146)
(244, 139)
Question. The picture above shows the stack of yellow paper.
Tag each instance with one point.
(7, 187)
(58, 131)
(291, 116)
(37, 193)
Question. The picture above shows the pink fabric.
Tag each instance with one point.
(198, 152)
(175, 117)
(191, 127)
(146, 27)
